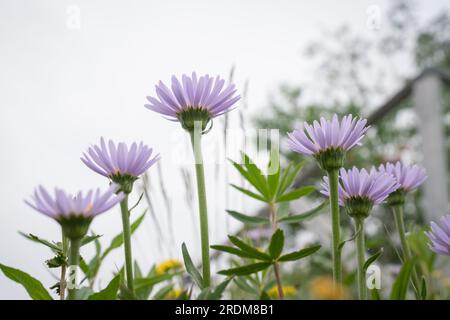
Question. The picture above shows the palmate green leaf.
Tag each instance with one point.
(190, 267)
(288, 177)
(296, 255)
(255, 253)
(249, 193)
(117, 241)
(400, 286)
(33, 286)
(296, 194)
(110, 292)
(249, 220)
(372, 259)
(306, 215)
(246, 270)
(46, 243)
(276, 244)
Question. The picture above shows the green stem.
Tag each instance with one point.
(399, 222)
(62, 281)
(276, 267)
(202, 206)
(74, 260)
(127, 244)
(360, 252)
(333, 178)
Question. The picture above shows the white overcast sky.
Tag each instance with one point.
(62, 87)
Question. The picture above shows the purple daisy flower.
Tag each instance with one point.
(201, 98)
(64, 205)
(359, 185)
(440, 236)
(409, 177)
(118, 161)
(328, 134)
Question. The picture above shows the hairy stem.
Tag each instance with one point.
(127, 244)
(74, 260)
(400, 224)
(202, 206)
(360, 252)
(333, 177)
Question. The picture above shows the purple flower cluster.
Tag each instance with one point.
(328, 134)
(63, 205)
(204, 93)
(374, 185)
(118, 160)
(440, 236)
(409, 177)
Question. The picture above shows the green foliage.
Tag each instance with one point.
(34, 287)
(372, 259)
(400, 287)
(190, 267)
(273, 188)
(110, 292)
(264, 259)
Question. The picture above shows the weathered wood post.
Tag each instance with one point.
(428, 106)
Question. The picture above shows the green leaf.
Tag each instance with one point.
(372, 259)
(423, 289)
(296, 194)
(46, 243)
(110, 292)
(232, 250)
(190, 267)
(296, 255)
(375, 294)
(249, 193)
(256, 174)
(137, 203)
(245, 270)
(243, 285)
(89, 239)
(400, 286)
(273, 180)
(254, 181)
(288, 177)
(255, 253)
(145, 283)
(218, 292)
(276, 244)
(306, 215)
(163, 292)
(249, 220)
(33, 286)
(353, 237)
(117, 241)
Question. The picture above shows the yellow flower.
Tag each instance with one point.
(167, 265)
(323, 288)
(289, 291)
(174, 294)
